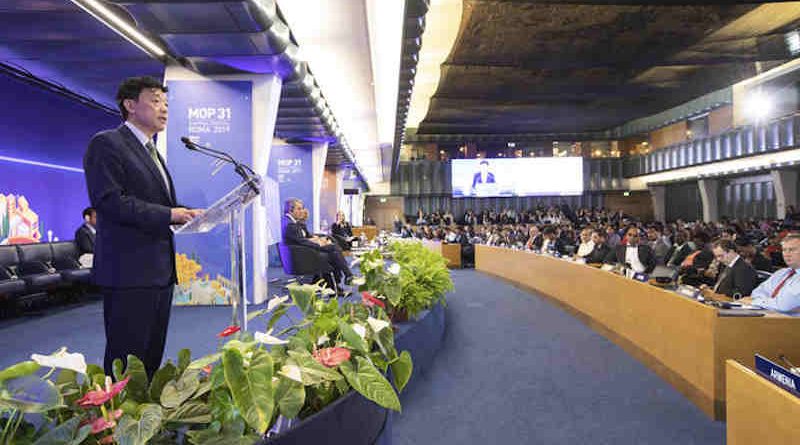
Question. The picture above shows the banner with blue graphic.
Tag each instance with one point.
(290, 167)
(216, 114)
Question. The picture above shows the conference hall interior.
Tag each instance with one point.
(399, 222)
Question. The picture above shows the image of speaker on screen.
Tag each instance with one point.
(483, 181)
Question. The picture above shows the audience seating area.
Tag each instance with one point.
(32, 273)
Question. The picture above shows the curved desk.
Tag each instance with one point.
(683, 341)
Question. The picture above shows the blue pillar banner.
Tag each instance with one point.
(217, 114)
(290, 167)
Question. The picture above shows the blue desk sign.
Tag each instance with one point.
(643, 277)
(778, 375)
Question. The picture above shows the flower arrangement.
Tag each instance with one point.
(255, 384)
(416, 281)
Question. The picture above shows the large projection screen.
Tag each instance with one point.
(517, 177)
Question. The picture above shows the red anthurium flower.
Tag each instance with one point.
(98, 396)
(332, 357)
(101, 424)
(208, 368)
(369, 300)
(230, 330)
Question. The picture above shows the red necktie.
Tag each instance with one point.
(785, 279)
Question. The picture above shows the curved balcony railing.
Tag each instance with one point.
(780, 134)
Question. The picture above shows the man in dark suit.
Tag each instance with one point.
(679, 250)
(601, 250)
(85, 235)
(635, 255)
(295, 233)
(483, 176)
(737, 278)
(134, 262)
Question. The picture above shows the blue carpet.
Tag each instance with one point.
(515, 369)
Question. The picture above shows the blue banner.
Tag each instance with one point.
(217, 114)
(290, 167)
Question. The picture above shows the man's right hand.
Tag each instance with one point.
(182, 215)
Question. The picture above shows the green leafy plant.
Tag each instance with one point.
(250, 385)
(418, 279)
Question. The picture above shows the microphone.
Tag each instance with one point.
(240, 169)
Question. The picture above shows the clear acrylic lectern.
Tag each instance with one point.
(230, 210)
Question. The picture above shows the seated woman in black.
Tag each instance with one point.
(342, 231)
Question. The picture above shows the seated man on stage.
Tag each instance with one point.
(781, 292)
(296, 233)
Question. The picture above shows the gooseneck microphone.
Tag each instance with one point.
(241, 169)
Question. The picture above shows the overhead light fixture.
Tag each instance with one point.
(101, 12)
(758, 105)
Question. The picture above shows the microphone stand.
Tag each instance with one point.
(240, 169)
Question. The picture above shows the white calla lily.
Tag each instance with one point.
(323, 339)
(359, 281)
(268, 339)
(394, 269)
(292, 372)
(360, 330)
(63, 360)
(275, 301)
(377, 324)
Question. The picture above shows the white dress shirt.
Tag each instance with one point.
(788, 297)
(585, 249)
(632, 258)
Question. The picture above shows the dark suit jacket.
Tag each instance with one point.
(134, 245)
(84, 239)
(477, 179)
(739, 279)
(681, 255)
(296, 234)
(598, 254)
(646, 256)
(344, 230)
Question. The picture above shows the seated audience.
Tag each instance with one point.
(656, 241)
(679, 250)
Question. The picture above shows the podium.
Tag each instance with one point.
(230, 210)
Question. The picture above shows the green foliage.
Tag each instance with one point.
(133, 431)
(68, 433)
(402, 369)
(138, 385)
(422, 282)
(251, 387)
(367, 380)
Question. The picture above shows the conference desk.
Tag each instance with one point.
(758, 410)
(683, 341)
(451, 252)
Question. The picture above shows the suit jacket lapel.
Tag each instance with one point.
(144, 158)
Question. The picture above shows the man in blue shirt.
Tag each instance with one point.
(781, 292)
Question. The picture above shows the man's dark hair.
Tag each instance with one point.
(726, 245)
(132, 87)
(88, 211)
(484, 162)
